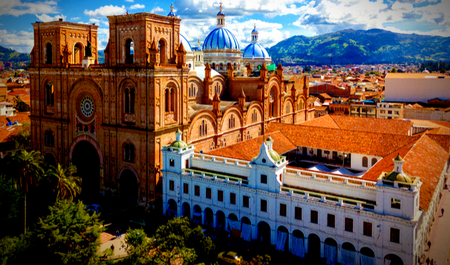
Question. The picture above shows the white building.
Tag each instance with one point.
(387, 110)
(7, 109)
(373, 216)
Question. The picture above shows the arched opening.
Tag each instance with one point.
(129, 98)
(330, 250)
(367, 256)
(172, 209)
(245, 220)
(232, 217)
(220, 220)
(348, 253)
(128, 152)
(78, 53)
(282, 239)
(301, 104)
(264, 232)
(209, 217)
(213, 66)
(49, 138)
(49, 94)
(186, 210)
(128, 187)
(49, 159)
(374, 161)
(48, 53)
(129, 51)
(197, 215)
(365, 162)
(87, 161)
(170, 103)
(246, 229)
(273, 103)
(393, 259)
(298, 243)
(162, 52)
(314, 246)
(234, 225)
(221, 66)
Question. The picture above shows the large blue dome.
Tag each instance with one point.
(186, 44)
(255, 50)
(220, 39)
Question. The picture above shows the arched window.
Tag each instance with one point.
(170, 100)
(221, 66)
(162, 51)
(301, 104)
(248, 135)
(231, 122)
(365, 162)
(203, 130)
(259, 131)
(254, 116)
(129, 97)
(238, 137)
(213, 66)
(288, 108)
(78, 53)
(272, 104)
(129, 51)
(49, 94)
(128, 152)
(374, 161)
(217, 89)
(49, 138)
(48, 54)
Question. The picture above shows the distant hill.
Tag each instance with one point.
(361, 46)
(10, 55)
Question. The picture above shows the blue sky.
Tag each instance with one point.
(275, 20)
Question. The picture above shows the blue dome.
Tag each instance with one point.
(171, 14)
(220, 13)
(255, 50)
(254, 30)
(186, 44)
(220, 38)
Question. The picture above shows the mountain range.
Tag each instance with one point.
(10, 55)
(361, 46)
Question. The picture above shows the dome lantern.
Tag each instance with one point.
(171, 13)
(254, 35)
(220, 18)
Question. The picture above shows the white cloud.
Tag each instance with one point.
(106, 11)
(157, 10)
(75, 18)
(137, 6)
(47, 18)
(130, 1)
(23, 41)
(94, 20)
(18, 8)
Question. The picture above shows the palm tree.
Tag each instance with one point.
(66, 185)
(26, 170)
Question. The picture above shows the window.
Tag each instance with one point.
(395, 203)
(172, 163)
(129, 97)
(374, 161)
(208, 193)
(367, 229)
(349, 224)
(245, 201)
(128, 152)
(203, 130)
(220, 195)
(288, 108)
(365, 162)
(48, 54)
(49, 94)
(254, 116)
(395, 235)
(162, 52)
(282, 209)
(186, 188)
(170, 100)
(231, 122)
(263, 206)
(49, 138)
(232, 198)
(331, 222)
(77, 53)
(264, 179)
(129, 51)
(197, 190)
(314, 217)
(298, 213)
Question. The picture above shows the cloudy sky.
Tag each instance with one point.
(275, 20)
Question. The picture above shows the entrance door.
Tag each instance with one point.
(87, 161)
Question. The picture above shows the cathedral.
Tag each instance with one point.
(111, 120)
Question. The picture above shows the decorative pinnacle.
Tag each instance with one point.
(220, 6)
(171, 7)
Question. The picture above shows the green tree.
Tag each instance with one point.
(69, 234)
(23, 137)
(393, 70)
(66, 185)
(13, 250)
(20, 105)
(25, 169)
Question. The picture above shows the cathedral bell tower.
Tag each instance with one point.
(220, 18)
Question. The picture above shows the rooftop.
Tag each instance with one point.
(416, 75)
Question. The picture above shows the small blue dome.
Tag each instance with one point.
(255, 50)
(171, 14)
(220, 39)
(186, 44)
(254, 30)
(220, 13)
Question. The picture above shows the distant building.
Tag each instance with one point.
(365, 108)
(389, 110)
(339, 106)
(7, 109)
(420, 87)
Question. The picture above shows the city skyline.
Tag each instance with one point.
(275, 22)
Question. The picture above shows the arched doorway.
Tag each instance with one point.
(367, 256)
(87, 161)
(186, 210)
(246, 225)
(220, 219)
(172, 209)
(197, 215)
(282, 239)
(330, 250)
(314, 246)
(209, 217)
(245, 220)
(78, 53)
(128, 186)
(49, 159)
(264, 232)
(348, 253)
(234, 225)
(392, 259)
(298, 243)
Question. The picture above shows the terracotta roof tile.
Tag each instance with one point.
(324, 122)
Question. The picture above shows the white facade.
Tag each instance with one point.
(389, 110)
(7, 109)
(379, 229)
(402, 87)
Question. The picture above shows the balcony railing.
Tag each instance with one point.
(216, 176)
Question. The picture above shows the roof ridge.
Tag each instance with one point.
(331, 116)
(434, 141)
